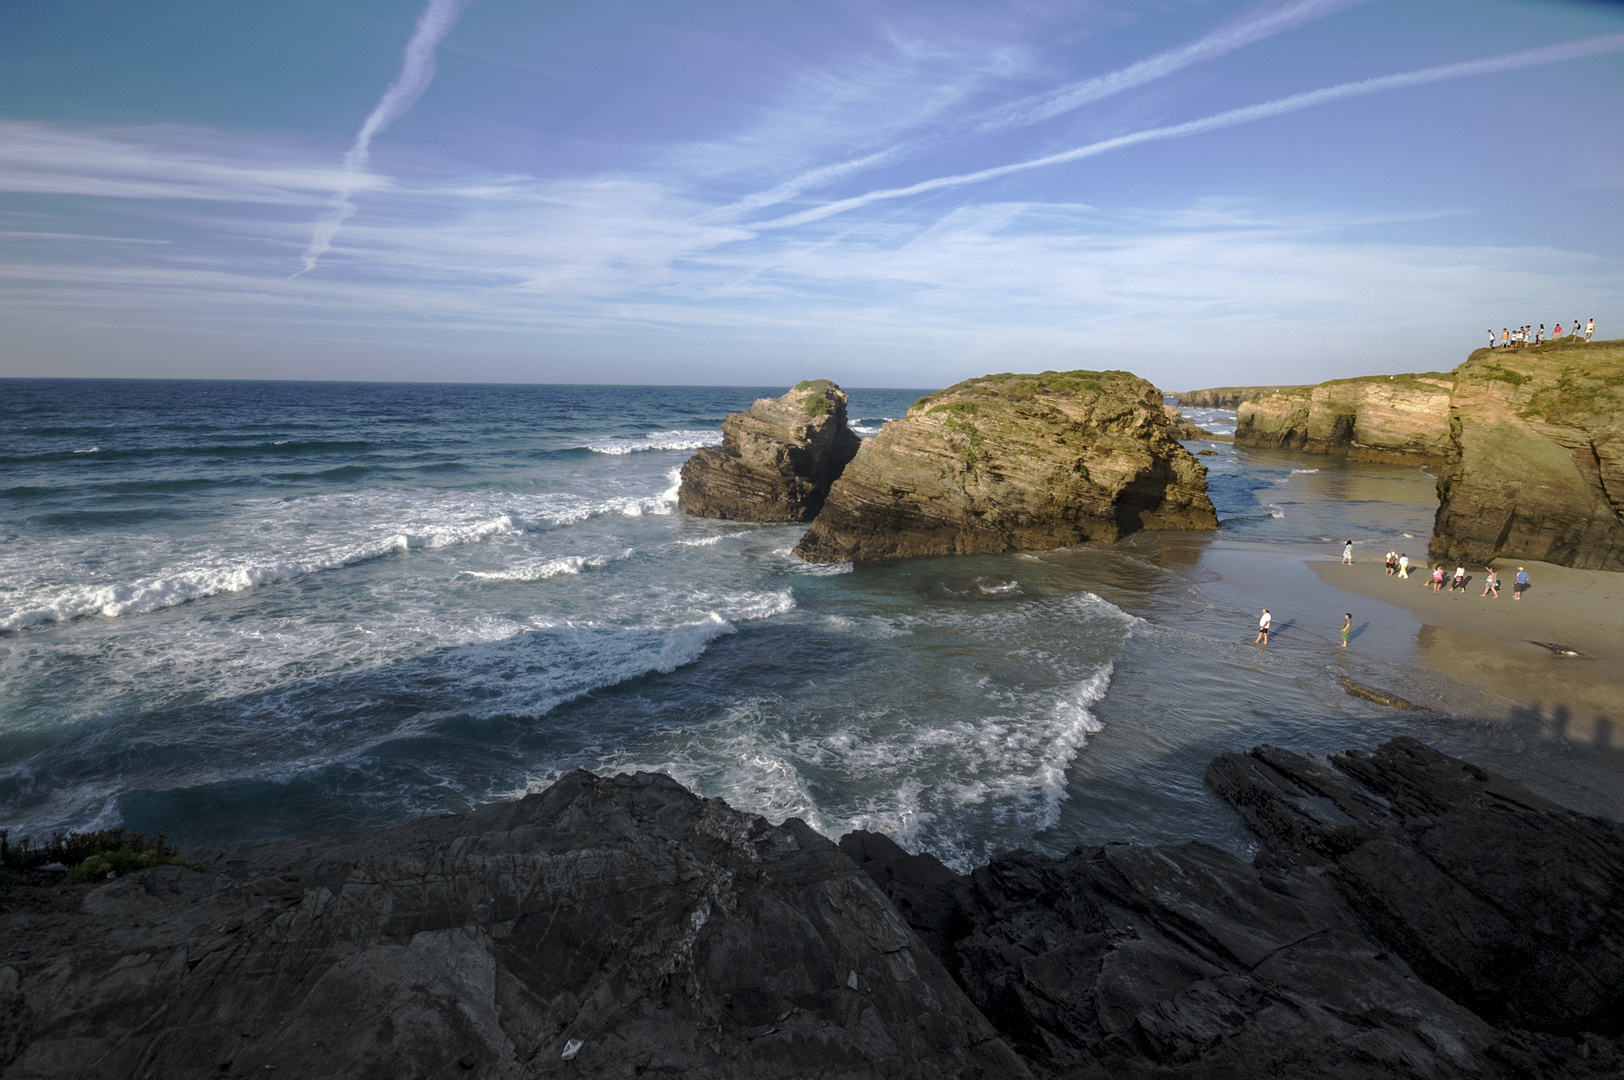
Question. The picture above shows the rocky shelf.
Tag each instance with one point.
(1227, 397)
(1391, 418)
(1409, 915)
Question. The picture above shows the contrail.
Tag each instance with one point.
(1548, 55)
(1042, 107)
(1221, 41)
(416, 72)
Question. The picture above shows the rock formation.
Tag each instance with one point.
(601, 928)
(777, 458)
(1410, 915)
(1014, 462)
(1391, 418)
(1535, 465)
(1227, 397)
(1184, 430)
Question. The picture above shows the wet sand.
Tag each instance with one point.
(1505, 646)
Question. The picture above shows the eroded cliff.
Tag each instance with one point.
(1535, 465)
(1228, 397)
(777, 458)
(1014, 462)
(1393, 418)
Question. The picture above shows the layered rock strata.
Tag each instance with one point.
(1227, 397)
(1535, 464)
(1014, 462)
(1384, 418)
(777, 458)
(601, 928)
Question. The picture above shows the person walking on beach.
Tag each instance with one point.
(1438, 578)
(1347, 627)
(1404, 566)
(1521, 584)
(1493, 584)
(1263, 628)
(1392, 563)
(1347, 553)
(1460, 580)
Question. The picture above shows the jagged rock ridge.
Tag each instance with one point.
(1014, 462)
(777, 458)
(1535, 463)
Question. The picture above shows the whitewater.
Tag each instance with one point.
(242, 611)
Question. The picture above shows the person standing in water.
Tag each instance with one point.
(1347, 553)
(1347, 627)
(1263, 628)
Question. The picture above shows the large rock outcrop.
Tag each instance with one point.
(777, 458)
(1385, 418)
(601, 928)
(1535, 468)
(1410, 916)
(1227, 397)
(1182, 428)
(1014, 462)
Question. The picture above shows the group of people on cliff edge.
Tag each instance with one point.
(1527, 335)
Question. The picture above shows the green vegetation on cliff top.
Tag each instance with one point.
(1017, 386)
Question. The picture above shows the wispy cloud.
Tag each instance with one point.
(1227, 39)
(1550, 54)
(416, 72)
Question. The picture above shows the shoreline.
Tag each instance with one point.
(1503, 646)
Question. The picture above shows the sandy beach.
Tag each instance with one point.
(1521, 650)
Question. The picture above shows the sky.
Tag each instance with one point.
(885, 193)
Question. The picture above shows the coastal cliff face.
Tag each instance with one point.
(1228, 397)
(1388, 418)
(1410, 915)
(1535, 468)
(1014, 462)
(777, 458)
(1183, 429)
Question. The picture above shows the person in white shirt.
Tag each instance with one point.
(1263, 628)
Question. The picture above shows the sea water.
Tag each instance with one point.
(238, 611)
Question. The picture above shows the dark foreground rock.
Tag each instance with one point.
(664, 933)
(1409, 915)
(1012, 463)
(1535, 464)
(777, 458)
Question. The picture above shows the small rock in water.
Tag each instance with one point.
(1560, 650)
(572, 1048)
(1380, 697)
(851, 980)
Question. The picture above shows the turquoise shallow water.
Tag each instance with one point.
(238, 611)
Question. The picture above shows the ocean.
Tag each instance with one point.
(242, 611)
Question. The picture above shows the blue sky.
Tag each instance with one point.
(883, 193)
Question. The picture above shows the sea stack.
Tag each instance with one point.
(1390, 418)
(1014, 462)
(777, 458)
(1535, 468)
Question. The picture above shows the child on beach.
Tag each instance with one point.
(1460, 580)
(1347, 627)
(1347, 553)
(1438, 578)
(1493, 584)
